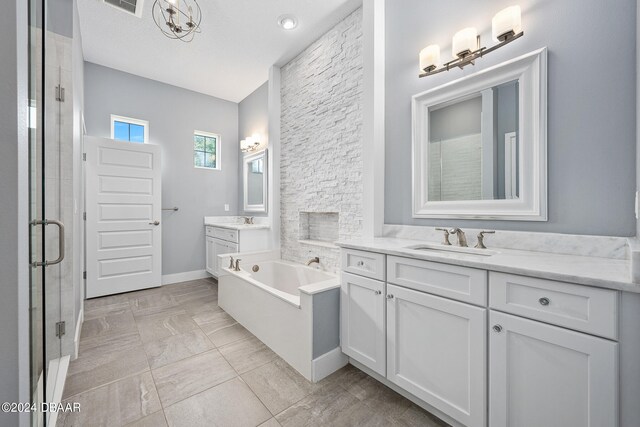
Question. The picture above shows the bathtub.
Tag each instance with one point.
(292, 308)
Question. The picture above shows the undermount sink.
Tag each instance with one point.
(453, 249)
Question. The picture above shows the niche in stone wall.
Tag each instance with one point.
(319, 228)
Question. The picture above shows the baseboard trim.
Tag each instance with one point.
(76, 339)
(327, 364)
(169, 279)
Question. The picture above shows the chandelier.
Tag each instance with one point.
(177, 19)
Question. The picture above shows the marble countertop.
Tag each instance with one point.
(217, 222)
(231, 226)
(590, 271)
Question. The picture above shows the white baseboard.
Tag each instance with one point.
(76, 339)
(169, 279)
(327, 364)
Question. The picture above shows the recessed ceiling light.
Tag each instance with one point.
(288, 22)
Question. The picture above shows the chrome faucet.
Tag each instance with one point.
(480, 244)
(231, 265)
(462, 238)
(248, 219)
(237, 266)
(446, 236)
(313, 260)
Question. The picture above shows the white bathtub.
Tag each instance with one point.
(292, 308)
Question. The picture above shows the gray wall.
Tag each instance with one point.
(173, 114)
(591, 128)
(253, 116)
(14, 277)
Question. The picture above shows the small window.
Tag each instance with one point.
(206, 150)
(128, 129)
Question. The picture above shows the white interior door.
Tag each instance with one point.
(510, 165)
(123, 230)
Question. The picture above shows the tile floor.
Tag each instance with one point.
(172, 357)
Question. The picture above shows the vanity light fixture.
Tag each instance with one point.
(506, 26)
(250, 143)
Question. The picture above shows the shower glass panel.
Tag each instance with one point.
(46, 229)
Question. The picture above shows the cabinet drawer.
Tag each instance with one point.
(225, 234)
(578, 307)
(450, 281)
(368, 264)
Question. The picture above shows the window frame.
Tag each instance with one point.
(217, 152)
(130, 120)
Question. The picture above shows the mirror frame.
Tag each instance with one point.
(531, 72)
(248, 158)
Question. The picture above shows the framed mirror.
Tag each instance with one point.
(480, 144)
(255, 182)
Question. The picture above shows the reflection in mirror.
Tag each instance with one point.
(473, 146)
(255, 182)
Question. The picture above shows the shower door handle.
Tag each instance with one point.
(60, 225)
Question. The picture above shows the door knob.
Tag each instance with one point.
(497, 328)
(154, 223)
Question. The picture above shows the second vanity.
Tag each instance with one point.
(225, 235)
(500, 338)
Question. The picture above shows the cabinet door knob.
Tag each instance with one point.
(497, 328)
(378, 292)
(389, 296)
(360, 263)
(544, 301)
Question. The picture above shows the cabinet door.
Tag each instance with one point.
(543, 375)
(210, 255)
(362, 321)
(436, 350)
(219, 248)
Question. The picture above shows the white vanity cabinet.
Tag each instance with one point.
(543, 375)
(483, 348)
(225, 240)
(362, 321)
(436, 350)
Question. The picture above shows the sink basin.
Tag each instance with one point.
(451, 249)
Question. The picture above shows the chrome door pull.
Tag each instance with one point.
(60, 225)
(154, 223)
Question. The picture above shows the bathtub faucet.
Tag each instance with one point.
(237, 266)
(312, 260)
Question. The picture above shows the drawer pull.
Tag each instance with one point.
(378, 292)
(360, 263)
(497, 328)
(389, 296)
(544, 301)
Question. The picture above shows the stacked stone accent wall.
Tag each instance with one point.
(321, 140)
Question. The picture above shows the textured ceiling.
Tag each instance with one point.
(230, 58)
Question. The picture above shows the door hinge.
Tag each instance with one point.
(59, 93)
(61, 329)
(84, 275)
(84, 157)
(84, 216)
